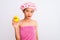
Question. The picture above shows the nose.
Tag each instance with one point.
(29, 13)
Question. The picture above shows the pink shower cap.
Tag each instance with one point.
(28, 5)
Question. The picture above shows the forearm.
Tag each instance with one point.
(36, 36)
(17, 36)
(17, 39)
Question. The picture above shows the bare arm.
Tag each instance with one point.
(16, 28)
(17, 35)
(36, 31)
(36, 35)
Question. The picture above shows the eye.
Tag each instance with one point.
(32, 11)
(27, 10)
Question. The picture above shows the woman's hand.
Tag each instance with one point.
(15, 24)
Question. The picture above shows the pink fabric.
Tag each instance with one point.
(27, 33)
(28, 5)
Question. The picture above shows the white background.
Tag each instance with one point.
(47, 15)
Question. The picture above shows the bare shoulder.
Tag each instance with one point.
(20, 22)
(34, 22)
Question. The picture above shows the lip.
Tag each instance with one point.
(29, 16)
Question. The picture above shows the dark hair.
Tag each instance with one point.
(24, 9)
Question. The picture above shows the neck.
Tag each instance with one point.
(27, 19)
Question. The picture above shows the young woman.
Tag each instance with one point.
(26, 29)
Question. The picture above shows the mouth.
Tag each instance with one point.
(29, 16)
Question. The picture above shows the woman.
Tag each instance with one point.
(26, 29)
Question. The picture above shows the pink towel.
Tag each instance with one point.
(27, 33)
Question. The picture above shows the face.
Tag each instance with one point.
(28, 12)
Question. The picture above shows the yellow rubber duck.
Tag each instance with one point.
(16, 19)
